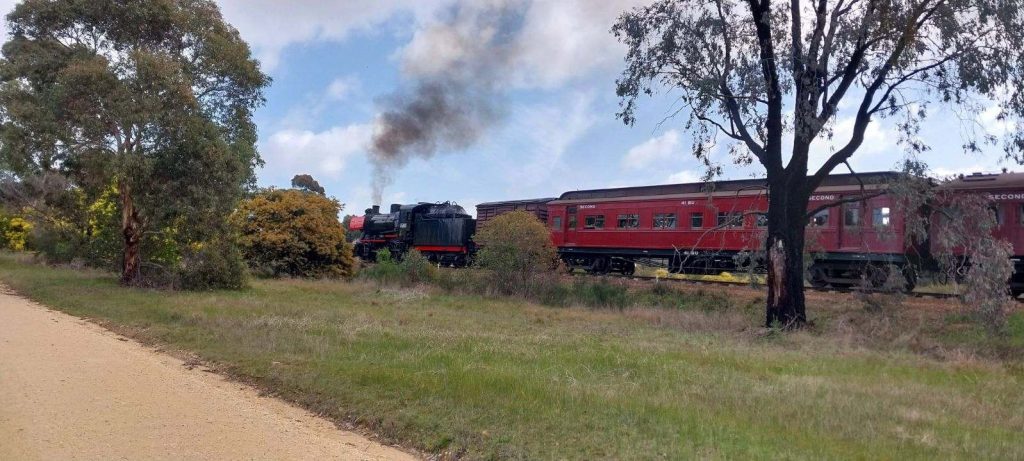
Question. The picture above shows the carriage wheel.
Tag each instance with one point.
(877, 276)
(818, 276)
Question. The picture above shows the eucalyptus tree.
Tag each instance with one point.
(769, 78)
(151, 97)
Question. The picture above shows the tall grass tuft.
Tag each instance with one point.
(412, 269)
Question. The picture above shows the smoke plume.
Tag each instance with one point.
(453, 96)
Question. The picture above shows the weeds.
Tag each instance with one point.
(546, 289)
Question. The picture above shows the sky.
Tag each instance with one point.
(534, 116)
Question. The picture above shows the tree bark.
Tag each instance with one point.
(784, 248)
(131, 229)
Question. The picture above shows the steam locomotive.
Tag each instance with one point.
(442, 232)
(856, 233)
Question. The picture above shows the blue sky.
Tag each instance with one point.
(334, 61)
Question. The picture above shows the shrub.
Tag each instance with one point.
(985, 285)
(213, 265)
(293, 232)
(384, 271)
(516, 248)
(414, 268)
(14, 232)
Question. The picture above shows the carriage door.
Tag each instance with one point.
(1013, 225)
(570, 225)
(851, 228)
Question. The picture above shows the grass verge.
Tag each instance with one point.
(462, 375)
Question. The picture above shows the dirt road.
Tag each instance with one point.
(72, 390)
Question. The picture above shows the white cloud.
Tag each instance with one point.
(546, 132)
(685, 176)
(558, 40)
(878, 140)
(562, 40)
(653, 151)
(321, 154)
(343, 87)
(270, 26)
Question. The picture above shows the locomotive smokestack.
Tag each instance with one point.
(375, 209)
(453, 100)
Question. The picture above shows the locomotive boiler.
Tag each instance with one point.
(442, 232)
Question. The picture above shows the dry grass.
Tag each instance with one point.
(462, 375)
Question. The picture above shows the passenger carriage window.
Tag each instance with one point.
(851, 215)
(820, 219)
(696, 220)
(762, 220)
(726, 219)
(1020, 214)
(998, 212)
(594, 222)
(556, 223)
(629, 221)
(664, 220)
(572, 221)
(880, 217)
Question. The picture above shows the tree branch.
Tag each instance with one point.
(771, 158)
(864, 112)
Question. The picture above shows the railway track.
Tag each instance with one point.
(914, 294)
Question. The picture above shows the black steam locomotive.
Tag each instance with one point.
(442, 232)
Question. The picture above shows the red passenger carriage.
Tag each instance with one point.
(1005, 195)
(706, 228)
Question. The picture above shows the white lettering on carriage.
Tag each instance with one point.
(688, 202)
(587, 206)
(822, 198)
(1006, 196)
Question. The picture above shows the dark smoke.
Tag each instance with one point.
(437, 116)
(450, 109)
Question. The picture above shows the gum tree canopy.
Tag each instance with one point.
(769, 77)
(153, 98)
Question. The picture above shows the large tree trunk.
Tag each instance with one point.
(131, 229)
(784, 248)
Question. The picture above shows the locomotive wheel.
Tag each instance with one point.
(628, 268)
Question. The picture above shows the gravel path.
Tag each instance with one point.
(71, 390)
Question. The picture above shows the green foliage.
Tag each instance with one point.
(564, 291)
(155, 99)
(212, 266)
(412, 269)
(985, 284)
(415, 267)
(516, 247)
(295, 233)
(307, 183)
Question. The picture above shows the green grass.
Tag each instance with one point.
(484, 378)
